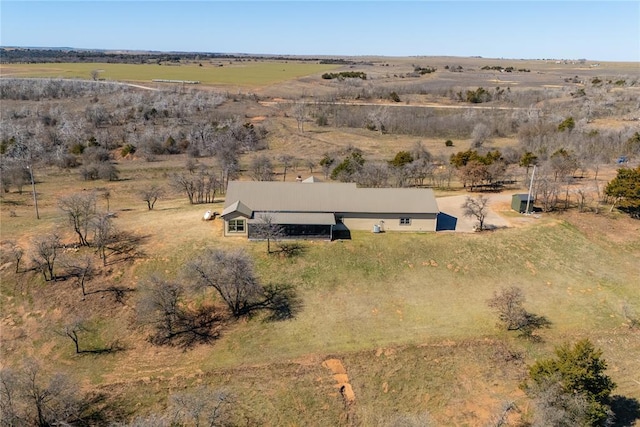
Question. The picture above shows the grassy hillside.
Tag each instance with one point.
(405, 313)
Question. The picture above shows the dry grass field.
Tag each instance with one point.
(404, 314)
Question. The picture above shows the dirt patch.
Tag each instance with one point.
(334, 365)
(616, 228)
(342, 380)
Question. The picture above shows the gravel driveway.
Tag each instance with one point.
(451, 217)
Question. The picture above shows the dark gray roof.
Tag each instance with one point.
(316, 218)
(271, 196)
(522, 197)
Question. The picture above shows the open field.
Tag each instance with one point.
(402, 318)
(223, 73)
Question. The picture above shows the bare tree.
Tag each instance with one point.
(287, 161)
(377, 119)
(376, 175)
(555, 407)
(508, 303)
(80, 209)
(231, 274)
(28, 398)
(420, 152)
(151, 194)
(82, 269)
(72, 329)
(9, 398)
(479, 135)
(185, 183)
(546, 192)
(310, 163)
(201, 406)
(419, 170)
(105, 234)
(199, 188)
(106, 195)
(162, 304)
(15, 251)
(261, 168)
(476, 207)
(227, 153)
(267, 229)
(299, 111)
(46, 251)
(583, 196)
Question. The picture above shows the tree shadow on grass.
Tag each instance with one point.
(114, 347)
(531, 324)
(196, 326)
(626, 410)
(291, 249)
(281, 302)
(125, 247)
(118, 292)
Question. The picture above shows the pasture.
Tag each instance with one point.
(246, 73)
(405, 313)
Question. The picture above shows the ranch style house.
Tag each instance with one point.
(311, 209)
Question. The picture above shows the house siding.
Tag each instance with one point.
(363, 221)
(233, 216)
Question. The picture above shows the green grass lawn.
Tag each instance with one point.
(235, 73)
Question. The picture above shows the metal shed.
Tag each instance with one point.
(519, 203)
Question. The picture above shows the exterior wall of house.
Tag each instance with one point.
(231, 226)
(411, 222)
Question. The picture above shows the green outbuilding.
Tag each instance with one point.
(519, 203)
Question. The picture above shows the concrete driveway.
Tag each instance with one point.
(451, 216)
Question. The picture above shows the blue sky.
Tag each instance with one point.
(597, 30)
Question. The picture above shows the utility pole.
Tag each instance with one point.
(33, 189)
(526, 211)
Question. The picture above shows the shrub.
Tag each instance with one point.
(76, 148)
(127, 149)
(567, 124)
(477, 96)
(345, 75)
(322, 120)
(394, 97)
(576, 376)
(448, 143)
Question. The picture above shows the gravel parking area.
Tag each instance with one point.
(451, 214)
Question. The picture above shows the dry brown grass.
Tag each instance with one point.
(404, 314)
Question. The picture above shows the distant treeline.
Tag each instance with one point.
(19, 55)
(34, 55)
(345, 75)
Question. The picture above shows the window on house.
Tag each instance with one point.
(405, 221)
(236, 226)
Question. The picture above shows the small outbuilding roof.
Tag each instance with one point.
(523, 197)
